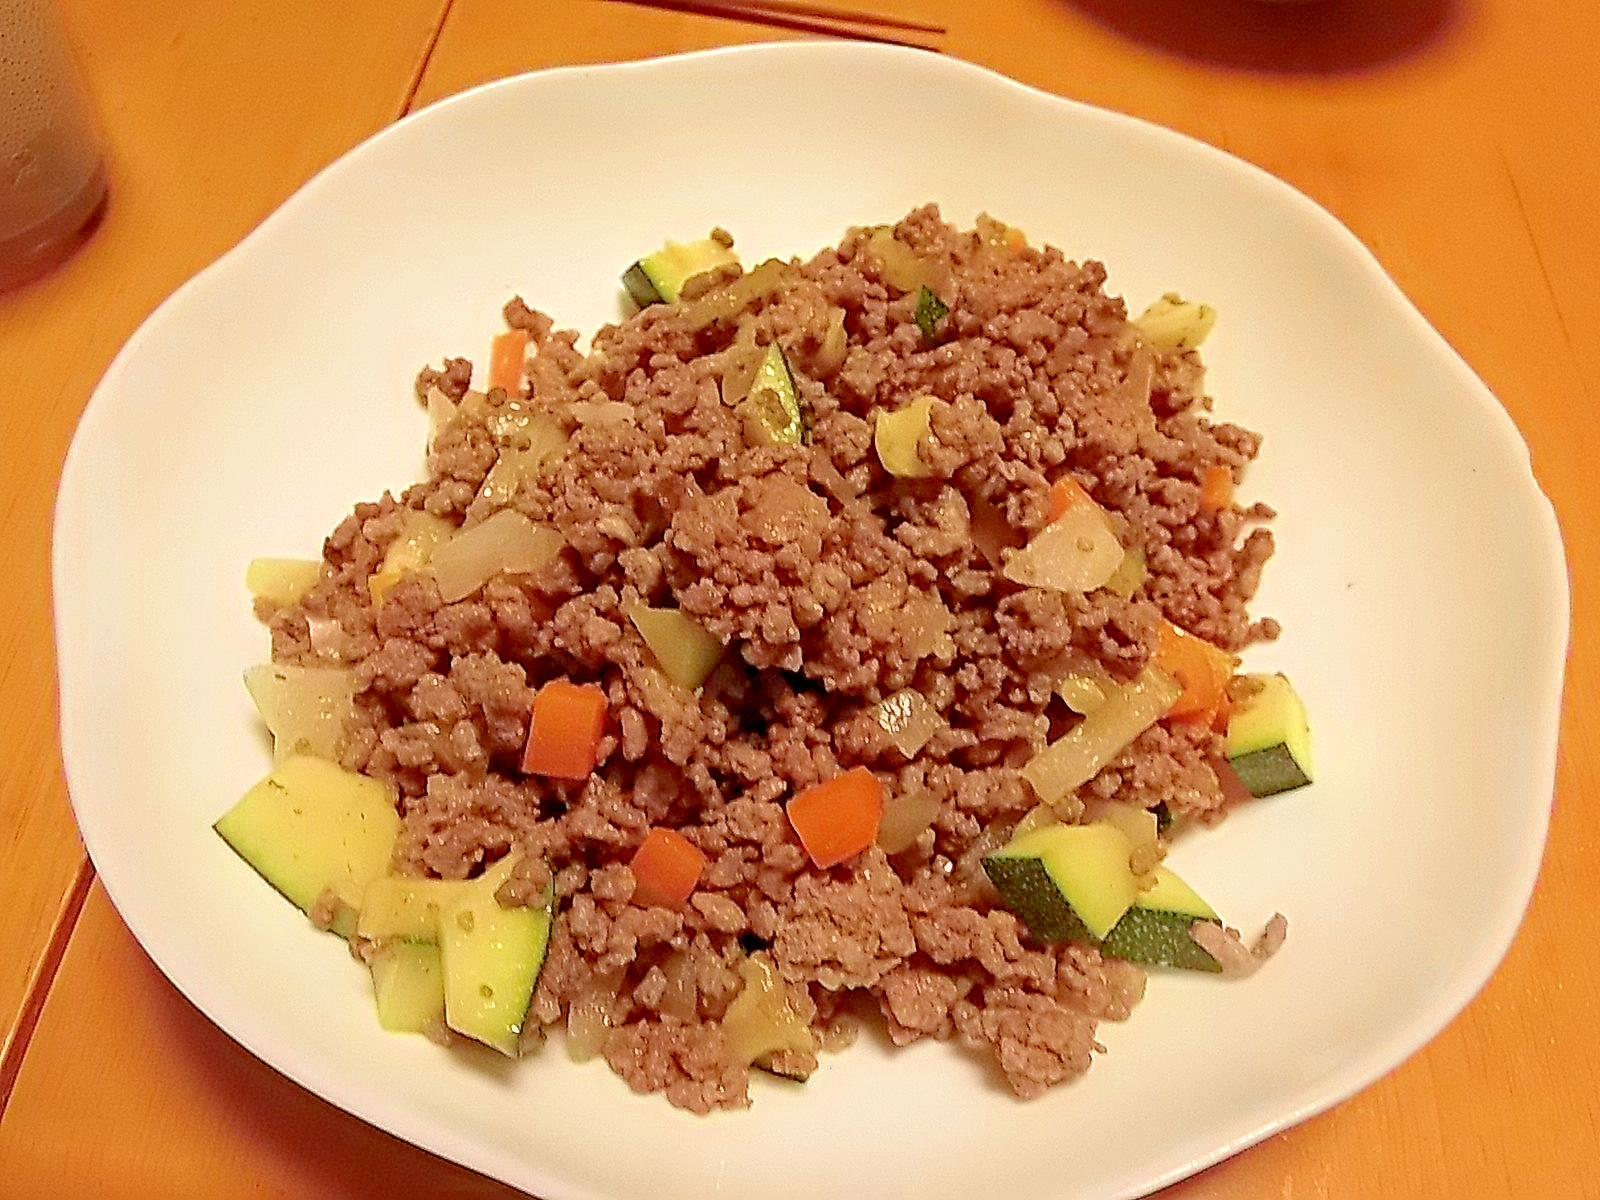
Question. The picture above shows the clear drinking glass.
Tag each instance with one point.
(52, 171)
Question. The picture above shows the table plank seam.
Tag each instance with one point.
(44, 975)
(414, 84)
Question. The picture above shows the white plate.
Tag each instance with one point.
(1420, 580)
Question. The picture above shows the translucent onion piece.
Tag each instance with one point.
(740, 362)
(441, 411)
(835, 342)
(589, 1016)
(681, 997)
(896, 436)
(731, 299)
(926, 629)
(909, 720)
(420, 535)
(306, 708)
(905, 816)
(903, 269)
(506, 541)
(760, 1019)
(1082, 692)
(1079, 755)
(1077, 552)
(1139, 825)
(1173, 323)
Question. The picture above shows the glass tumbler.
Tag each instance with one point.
(52, 171)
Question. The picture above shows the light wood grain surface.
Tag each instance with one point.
(1457, 138)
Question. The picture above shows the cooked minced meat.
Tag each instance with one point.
(835, 585)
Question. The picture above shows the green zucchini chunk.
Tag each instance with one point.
(317, 833)
(408, 981)
(1269, 738)
(772, 412)
(491, 957)
(658, 278)
(1066, 882)
(1155, 931)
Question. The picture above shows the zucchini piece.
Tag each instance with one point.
(408, 982)
(1066, 881)
(930, 311)
(282, 581)
(491, 957)
(311, 828)
(772, 412)
(658, 278)
(406, 907)
(686, 652)
(1155, 931)
(1269, 738)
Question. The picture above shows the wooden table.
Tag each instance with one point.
(1457, 138)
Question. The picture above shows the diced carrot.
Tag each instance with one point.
(1203, 671)
(666, 867)
(1064, 493)
(564, 734)
(1216, 489)
(838, 818)
(507, 354)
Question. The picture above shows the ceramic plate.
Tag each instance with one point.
(1420, 582)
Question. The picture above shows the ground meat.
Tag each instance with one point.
(834, 585)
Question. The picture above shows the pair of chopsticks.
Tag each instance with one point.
(813, 18)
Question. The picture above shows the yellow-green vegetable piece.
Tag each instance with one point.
(1269, 737)
(403, 906)
(1155, 930)
(1066, 881)
(491, 957)
(311, 827)
(685, 650)
(408, 983)
(283, 581)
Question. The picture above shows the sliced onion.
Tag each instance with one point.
(1080, 754)
(506, 541)
(927, 628)
(1077, 552)
(903, 269)
(306, 708)
(681, 997)
(909, 720)
(589, 1016)
(905, 815)
(1037, 817)
(760, 1019)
